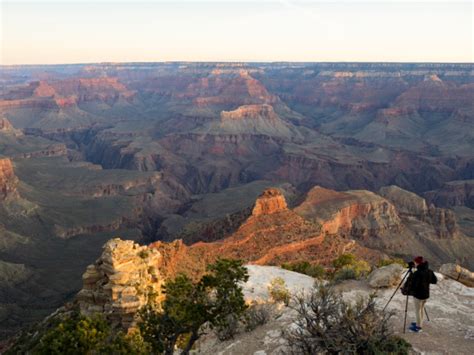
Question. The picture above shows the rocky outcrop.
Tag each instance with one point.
(8, 179)
(271, 235)
(69, 232)
(386, 276)
(121, 281)
(407, 202)
(270, 201)
(357, 213)
(53, 150)
(250, 112)
(5, 125)
(458, 273)
(412, 205)
(454, 193)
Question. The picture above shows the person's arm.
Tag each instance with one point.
(434, 279)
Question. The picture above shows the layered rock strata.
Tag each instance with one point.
(411, 205)
(8, 179)
(121, 281)
(358, 213)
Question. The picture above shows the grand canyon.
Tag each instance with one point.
(265, 162)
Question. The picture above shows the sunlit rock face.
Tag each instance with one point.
(8, 180)
(270, 201)
(121, 281)
(5, 125)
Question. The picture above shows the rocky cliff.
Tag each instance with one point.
(412, 205)
(361, 214)
(272, 234)
(8, 179)
(454, 193)
(5, 125)
(270, 201)
(124, 278)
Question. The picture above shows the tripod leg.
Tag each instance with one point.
(427, 317)
(405, 320)
(400, 284)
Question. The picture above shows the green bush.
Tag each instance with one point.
(343, 260)
(346, 273)
(348, 267)
(385, 262)
(278, 291)
(216, 300)
(304, 267)
(79, 334)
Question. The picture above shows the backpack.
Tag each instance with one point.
(407, 288)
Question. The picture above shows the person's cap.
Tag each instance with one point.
(419, 260)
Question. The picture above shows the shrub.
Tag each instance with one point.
(278, 291)
(327, 324)
(304, 267)
(348, 267)
(79, 334)
(343, 260)
(256, 315)
(385, 262)
(346, 273)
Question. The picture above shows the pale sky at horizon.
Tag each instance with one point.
(68, 31)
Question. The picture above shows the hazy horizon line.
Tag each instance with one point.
(237, 62)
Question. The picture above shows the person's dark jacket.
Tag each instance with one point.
(421, 280)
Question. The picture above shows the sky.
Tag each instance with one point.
(67, 31)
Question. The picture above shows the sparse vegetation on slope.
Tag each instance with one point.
(327, 324)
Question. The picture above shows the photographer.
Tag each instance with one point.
(419, 287)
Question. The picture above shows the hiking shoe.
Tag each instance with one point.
(413, 324)
(415, 329)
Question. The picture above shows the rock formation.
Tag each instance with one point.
(5, 125)
(271, 235)
(410, 204)
(270, 201)
(250, 112)
(454, 193)
(458, 273)
(386, 276)
(357, 213)
(8, 180)
(121, 281)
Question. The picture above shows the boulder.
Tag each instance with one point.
(386, 276)
(458, 273)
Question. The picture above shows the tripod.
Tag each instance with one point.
(406, 302)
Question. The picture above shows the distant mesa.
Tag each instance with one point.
(433, 77)
(250, 112)
(258, 119)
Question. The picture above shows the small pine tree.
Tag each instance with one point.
(188, 306)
